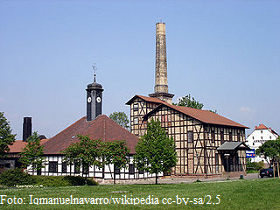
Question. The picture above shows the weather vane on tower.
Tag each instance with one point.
(94, 67)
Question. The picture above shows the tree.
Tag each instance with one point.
(155, 151)
(120, 118)
(271, 151)
(85, 152)
(214, 111)
(115, 152)
(189, 102)
(32, 153)
(6, 136)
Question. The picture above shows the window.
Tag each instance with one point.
(238, 136)
(64, 167)
(213, 136)
(141, 171)
(39, 172)
(85, 169)
(253, 138)
(261, 131)
(53, 165)
(222, 136)
(131, 169)
(164, 118)
(135, 120)
(190, 136)
(230, 136)
(261, 137)
(217, 162)
(7, 165)
(135, 107)
(116, 170)
(269, 137)
(76, 168)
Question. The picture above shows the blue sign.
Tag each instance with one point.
(250, 153)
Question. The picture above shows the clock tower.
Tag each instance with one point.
(94, 100)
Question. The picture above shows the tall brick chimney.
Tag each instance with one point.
(161, 87)
(27, 128)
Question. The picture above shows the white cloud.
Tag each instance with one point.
(246, 109)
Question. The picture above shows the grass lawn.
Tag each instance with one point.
(241, 194)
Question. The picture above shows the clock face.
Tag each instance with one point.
(98, 99)
(89, 99)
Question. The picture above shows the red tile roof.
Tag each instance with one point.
(102, 128)
(204, 116)
(261, 127)
(19, 144)
(145, 98)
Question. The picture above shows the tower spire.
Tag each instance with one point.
(161, 87)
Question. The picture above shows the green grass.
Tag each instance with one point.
(241, 194)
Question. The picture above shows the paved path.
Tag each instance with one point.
(175, 180)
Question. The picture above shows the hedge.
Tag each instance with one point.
(16, 177)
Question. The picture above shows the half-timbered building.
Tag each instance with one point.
(201, 137)
(102, 128)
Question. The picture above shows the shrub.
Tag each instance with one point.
(254, 166)
(57, 181)
(51, 181)
(16, 176)
(78, 180)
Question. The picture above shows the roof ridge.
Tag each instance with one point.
(200, 115)
(192, 108)
(146, 98)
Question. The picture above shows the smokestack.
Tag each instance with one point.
(161, 87)
(27, 128)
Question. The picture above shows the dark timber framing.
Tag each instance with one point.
(55, 166)
(196, 142)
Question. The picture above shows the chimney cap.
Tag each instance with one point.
(27, 117)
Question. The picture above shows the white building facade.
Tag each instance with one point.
(258, 137)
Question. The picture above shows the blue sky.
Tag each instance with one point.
(226, 54)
